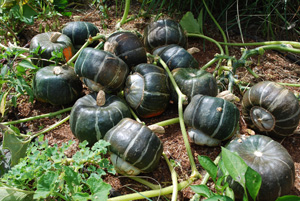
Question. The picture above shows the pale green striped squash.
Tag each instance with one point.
(90, 122)
(271, 109)
(134, 147)
(212, 117)
(102, 67)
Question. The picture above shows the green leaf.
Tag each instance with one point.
(209, 166)
(12, 194)
(202, 190)
(3, 103)
(72, 178)
(288, 198)
(27, 64)
(200, 21)
(189, 23)
(45, 185)
(219, 198)
(253, 182)
(235, 165)
(98, 188)
(81, 197)
(16, 146)
(229, 193)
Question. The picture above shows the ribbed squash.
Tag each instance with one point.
(211, 117)
(134, 147)
(49, 42)
(176, 57)
(193, 81)
(102, 67)
(90, 121)
(147, 90)
(79, 32)
(128, 47)
(271, 109)
(271, 160)
(164, 32)
(57, 85)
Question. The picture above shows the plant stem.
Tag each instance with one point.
(87, 43)
(292, 43)
(219, 27)
(153, 193)
(51, 114)
(174, 178)
(289, 84)
(209, 39)
(125, 14)
(168, 122)
(145, 182)
(50, 127)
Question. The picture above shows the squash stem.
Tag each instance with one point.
(50, 127)
(143, 181)
(174, 178)
(292, 43)
(168, 122)
(89, 41)
(209, 39)
(182, 99)
(51, 114)
(219, 27)
(154, 193)
(125, 14)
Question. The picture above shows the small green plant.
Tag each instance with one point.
(46, 172)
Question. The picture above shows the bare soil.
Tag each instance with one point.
(273, 66)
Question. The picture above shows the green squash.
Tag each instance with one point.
(271, 160)
(134, 147)
(147, 90)
(57, 85)
(90, 121)
(271, 109)
(128, 47)
(49, 42)
(164, 32)
(79, 32)
(176, 57)
(193, 81)
(102, 67)
(212, 117)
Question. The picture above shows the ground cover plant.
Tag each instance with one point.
(46, 168)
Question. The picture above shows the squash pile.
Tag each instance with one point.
(122, 66)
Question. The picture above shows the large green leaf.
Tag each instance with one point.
(209, 166)
(235, 165)
(202, 190)
(12, 194)
(16, 146)
(189, 23)
(289, 198)
(99, 188)
(253, 182)
(45, 185)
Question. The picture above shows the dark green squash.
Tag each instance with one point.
(176, 57)
(147, 90)
(271, 160)
(79, 32)
(57, 85)
(128, 47)
(164, 32)
(102, 67)
(213, 117)
(134, 147)
(192, 81)
(271, 109)
(49, 42)
(90, 121)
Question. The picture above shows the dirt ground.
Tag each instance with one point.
(273, 66)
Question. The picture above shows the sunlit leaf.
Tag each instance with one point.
(253, 182)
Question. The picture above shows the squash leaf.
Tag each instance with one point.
(202, 190)
(189, 23)
(235, 166)
(209, 166)
(219, 198)
(288, 198)
(253, 182)
(16, 146)
(12, 194)
(45, 185)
